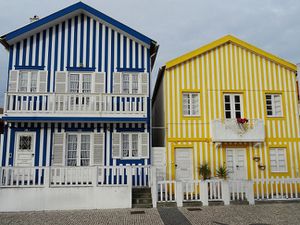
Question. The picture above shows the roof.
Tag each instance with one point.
(229, 39)
(77, 7)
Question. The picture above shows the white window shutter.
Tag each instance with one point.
(116, 145)
(144, 145)
(43, 81)
(144, 84)
(13, 80)
(98, 148)
(61, 82)
(99, 82)
(58, 149)
(117, 87)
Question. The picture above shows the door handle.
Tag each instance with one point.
(32, 154)
(176, 165)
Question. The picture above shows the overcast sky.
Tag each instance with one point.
(179, 26)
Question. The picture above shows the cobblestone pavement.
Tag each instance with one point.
(287, 213)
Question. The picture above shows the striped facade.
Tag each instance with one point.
(230, 65)
(79, 39)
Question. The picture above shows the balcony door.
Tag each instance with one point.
(236, 163)
(233, 106)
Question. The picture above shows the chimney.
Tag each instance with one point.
(34, 18)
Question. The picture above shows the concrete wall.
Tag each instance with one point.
(65, 198)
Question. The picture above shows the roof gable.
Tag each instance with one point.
(69, 11)
(229, 39)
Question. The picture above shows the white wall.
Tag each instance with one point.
(68, 198)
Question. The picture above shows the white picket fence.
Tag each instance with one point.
(277, 188)
(137, 176)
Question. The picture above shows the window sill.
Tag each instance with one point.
(275, 117)
(279, 172)
(191, 117)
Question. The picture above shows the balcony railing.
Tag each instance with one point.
(229, 130)
(73, 104)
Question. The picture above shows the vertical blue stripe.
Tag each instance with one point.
(81, 38)
(12, 145)
(69, 42)
(62, 53)
(30, 51)
(94, 44)
(44, 47)
(87, 60)
(49, 58)
(51, 143)
(137, 55)
(118, 50)
(4, 145)
(55, 54)
(143, 58)
(124, 51)
(24, 52)
(37, 146)
(105, 143)
(75, 42)
(37, 49)
(45, 144)
(100, 48)
(106, 55)
(112, 59)
(11, 55)
(18, 54)
(130, 53)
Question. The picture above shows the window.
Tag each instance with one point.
(130, 143)
(232, 106)
(80, 83)
(28, 81)
(130, 83)
(191, 104)
(274, 105)
(278, 160)
(25, 142)
(78, 150)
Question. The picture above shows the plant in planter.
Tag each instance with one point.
(222, 172)
(204, 171)
(243, 124)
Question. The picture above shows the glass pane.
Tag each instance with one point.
(25, 142)
(86, 84)
(135, 83)
(227, 98)
(125, 83)
(228, 115)
(237, 98)
(135, 145)
(33, 84)
(74, 83)
(23, 81)
(125, 145)
(72, 150)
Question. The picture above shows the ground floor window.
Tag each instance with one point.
(130, 144)
(278, 160)
(78, 150)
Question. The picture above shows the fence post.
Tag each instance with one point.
(95, 176)
(204, 193)
(225, 192)
(129, 183)
(179, 193)
(153, 187)
(47, 176)
(250, 192)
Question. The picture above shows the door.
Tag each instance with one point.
(25, 145)
(183, 164)
(236, 163)
(159, 162)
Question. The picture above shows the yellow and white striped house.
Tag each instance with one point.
(201, 99)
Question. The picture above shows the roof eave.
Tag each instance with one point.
(4, 42)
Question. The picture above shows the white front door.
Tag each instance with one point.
(183, 164)
(236, 163)
(24, 149)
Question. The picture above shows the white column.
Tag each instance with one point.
(225, 192)
(250, 192)
(154, 187)
(204, 193)
(179, 194)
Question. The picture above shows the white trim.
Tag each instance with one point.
(18, 134)
(273, 105)
(190, 104)
(232, 105)
(277, 160)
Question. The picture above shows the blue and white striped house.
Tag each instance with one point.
(77, 99)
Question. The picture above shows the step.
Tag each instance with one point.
(141, 195)
(239, 202)
(215, 203)
(192, 203)
(141, 190)
(142, 206)
(166, 204)
(142, 201)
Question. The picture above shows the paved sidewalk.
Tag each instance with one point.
(286, 213)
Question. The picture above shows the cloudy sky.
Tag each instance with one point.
(179, 26)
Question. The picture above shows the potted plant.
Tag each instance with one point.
(204, 171)
(222, 172)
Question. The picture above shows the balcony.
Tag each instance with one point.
(229, 130)
(74, 105)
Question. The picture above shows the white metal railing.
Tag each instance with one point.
(230, 130)
(23, 177)
(166, 191)
(277, 188)
(89, 103)
(214, 190)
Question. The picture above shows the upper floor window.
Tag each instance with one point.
(233, 106)
(131, 83)
(28, 81)
(191, 104)
(274, 105)
(80, 83)
(278, 160)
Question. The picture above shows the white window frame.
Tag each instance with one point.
(80, 82)
(130, 145)
(130, 85)
(233, 110)
(273, 105)
(276, 151)
(29, 74)
(17, 141)
(78, 153)
(190, 104)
